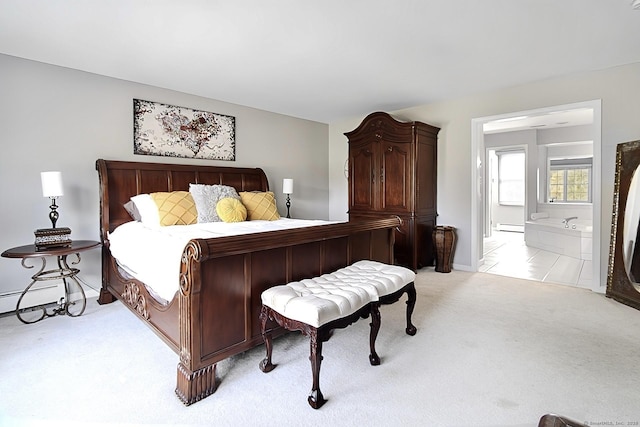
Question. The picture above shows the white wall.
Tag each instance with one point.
(618, 88)
(54, 118)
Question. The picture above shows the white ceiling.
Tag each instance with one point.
(324, 60)
(553, 119)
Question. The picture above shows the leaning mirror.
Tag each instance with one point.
(623, 279)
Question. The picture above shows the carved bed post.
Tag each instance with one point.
(193, 384)
(105, 296)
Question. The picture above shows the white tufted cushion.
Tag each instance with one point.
(386, 278)
(335, 295)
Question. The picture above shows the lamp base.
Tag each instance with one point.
(47, 238)
(288, 206)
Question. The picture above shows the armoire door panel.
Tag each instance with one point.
(363, 179)
(396, 177)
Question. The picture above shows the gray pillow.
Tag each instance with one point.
(133, 211)
(206, 198)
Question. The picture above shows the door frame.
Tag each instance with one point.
(598, 283)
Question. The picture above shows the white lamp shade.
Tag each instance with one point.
(51, 184)
(287, 186)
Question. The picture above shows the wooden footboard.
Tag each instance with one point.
(215, 314)
(222, 280)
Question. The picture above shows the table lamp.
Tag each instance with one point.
(287, 188)
(52, 237)
(52, 188)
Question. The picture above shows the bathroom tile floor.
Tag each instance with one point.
(506, 254)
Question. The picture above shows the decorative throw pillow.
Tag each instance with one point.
(175, 208)
(147, 209)
(206, 198)
(132, 210)
(260, 205)
(231, 210)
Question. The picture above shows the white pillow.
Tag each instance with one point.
(206, 198)
(147, 209)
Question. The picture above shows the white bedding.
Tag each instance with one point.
(152, 255)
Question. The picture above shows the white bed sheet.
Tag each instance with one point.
(152, 255)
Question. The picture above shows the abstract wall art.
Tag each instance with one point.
(168, 130)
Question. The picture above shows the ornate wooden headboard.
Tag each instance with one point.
(120, 180)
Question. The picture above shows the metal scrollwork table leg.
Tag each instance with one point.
(69, 304)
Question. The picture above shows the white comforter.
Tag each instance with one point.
(152, 255)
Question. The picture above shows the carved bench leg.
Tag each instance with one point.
(316, 337)
(265, 364)
(374, 359)
(316, 399)
(411, 303)
(410, 290)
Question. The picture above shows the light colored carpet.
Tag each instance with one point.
(490, 351)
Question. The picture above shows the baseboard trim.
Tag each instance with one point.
(40, 295)
(43, 294)
(510, 227)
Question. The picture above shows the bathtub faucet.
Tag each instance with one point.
(566, 221)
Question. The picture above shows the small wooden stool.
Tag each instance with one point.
(317, 306)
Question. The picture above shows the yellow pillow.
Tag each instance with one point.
(260, 205)
(231, 210)
(175, 208)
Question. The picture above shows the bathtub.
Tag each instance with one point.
(551, 234)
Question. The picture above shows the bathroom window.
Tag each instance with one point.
(570, 180)
(511, 170)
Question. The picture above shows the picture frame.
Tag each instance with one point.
(173, 131)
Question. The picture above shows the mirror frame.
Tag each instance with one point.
(619, 286)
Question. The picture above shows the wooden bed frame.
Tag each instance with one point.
(215, 314)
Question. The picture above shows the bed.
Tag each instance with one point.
(215, 312)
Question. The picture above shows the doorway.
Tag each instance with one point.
(536, 196)
(505, 189)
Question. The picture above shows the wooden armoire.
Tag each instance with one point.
(392, 172)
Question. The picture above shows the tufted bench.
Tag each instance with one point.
(336, 300)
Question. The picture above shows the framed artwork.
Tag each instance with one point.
(168, 130)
